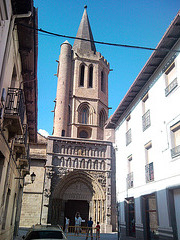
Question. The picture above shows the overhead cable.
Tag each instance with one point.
(100, 42)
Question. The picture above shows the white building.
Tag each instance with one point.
(147, 134)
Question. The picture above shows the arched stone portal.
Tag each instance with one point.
(77, 192)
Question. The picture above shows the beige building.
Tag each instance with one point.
(79, 175)
(18, 106)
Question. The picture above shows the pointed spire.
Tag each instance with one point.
(85, 32)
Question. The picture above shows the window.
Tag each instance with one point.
(102, 118)
(130, 173)
(81, 84)
(102, 82)
(128, 131)
(149, 168)
(83, 134)
(84, 115)
(146, 121)
(170, 79)
(175, 138)
(91, 76)
(3, 11)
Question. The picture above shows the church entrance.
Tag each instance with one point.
(77, 192)
(74, 206)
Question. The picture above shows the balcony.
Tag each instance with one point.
(175, 151)
(149, 171)
(21, 141)
(146, 121)
(14, 111)
(23, 160)
(130, 180)
(128, 137)
(171, 87)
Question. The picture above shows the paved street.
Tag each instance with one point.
(103, 236)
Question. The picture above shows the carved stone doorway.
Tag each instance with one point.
(74, 206)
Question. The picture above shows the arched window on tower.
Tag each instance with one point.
(84, 115)
(90, 77)
(102, 82)
(102, 118)
(81, 83)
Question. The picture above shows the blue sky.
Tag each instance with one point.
(133, 22)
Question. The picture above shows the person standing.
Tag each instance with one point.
(89, 229)
(66, 224)
(97, 231)
(77, 223)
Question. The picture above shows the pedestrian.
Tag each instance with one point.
(89, 228)
(77, 223)
(80, 221)
(97, 231)
(66, 224)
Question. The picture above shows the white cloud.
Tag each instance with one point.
(43, 132)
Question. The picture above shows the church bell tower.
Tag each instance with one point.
(81, 107)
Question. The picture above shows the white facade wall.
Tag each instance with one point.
(164, 113)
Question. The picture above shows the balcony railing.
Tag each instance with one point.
(175, 151)
(149, 170)
(146, 121)
(171, 86)
(128, 137)
(15, 103)
(130, 179)
(22, 139)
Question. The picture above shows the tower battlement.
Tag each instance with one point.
(89, 56)
(103, 59)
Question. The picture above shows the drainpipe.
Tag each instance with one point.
(14, 17)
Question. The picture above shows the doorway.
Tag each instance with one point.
(150, 223)
(74, 206)
(130, 217)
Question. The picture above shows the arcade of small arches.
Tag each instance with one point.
(79, 151)
(80, 164)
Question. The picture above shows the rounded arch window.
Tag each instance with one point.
(83, 134)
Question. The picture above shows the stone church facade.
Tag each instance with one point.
(79, 173)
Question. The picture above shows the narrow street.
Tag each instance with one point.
(103, 236)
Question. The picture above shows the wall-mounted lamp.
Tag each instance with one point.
(33, 176)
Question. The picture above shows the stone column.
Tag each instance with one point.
(62, 96)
